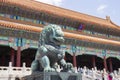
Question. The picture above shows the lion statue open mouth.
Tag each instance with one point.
(49, 53)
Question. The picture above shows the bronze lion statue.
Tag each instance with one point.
(49, 52)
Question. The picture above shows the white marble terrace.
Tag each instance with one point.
(9, 73)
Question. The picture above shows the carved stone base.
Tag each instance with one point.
(53, 76)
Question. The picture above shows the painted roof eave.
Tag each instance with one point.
(30, 28)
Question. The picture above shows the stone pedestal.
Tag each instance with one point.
(53, 76)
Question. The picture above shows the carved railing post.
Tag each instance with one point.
(10, 68)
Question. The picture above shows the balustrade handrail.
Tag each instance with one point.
(86, 73)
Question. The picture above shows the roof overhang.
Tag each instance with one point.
(57, 15)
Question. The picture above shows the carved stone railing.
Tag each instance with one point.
(94, 74)
(10, 73)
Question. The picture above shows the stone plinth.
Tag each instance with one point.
(53, 76)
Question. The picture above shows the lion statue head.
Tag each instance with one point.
(51, 34)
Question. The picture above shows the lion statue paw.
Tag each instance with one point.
(48, 69)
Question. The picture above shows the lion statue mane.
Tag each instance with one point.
(49, 52)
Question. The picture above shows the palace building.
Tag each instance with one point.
(89, 41)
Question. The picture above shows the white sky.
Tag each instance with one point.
(53, 2)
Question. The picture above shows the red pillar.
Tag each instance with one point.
(12, 56)
(105, 64)
(74, 60)
(18, 61)
(93, 61)
(65, 57)
(110, 62)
